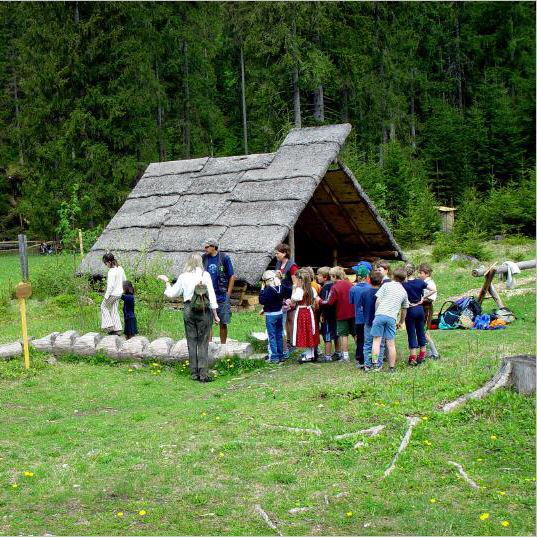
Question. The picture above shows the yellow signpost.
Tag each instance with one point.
(24, 291)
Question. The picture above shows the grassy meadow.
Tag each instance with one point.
(91, 447)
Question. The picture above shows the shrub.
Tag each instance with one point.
(447, 244)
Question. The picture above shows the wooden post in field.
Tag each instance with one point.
(24, 291)
(80, 240)
(23, 256)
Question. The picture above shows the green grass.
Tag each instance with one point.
(101, 438)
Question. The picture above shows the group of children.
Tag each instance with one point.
(370, 310)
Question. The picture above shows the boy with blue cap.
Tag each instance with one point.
(357, 290)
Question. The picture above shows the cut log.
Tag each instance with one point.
(522, 373)
(502, 269)
(160, 348)
(134, 348)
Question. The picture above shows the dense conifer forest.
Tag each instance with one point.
(441, 96)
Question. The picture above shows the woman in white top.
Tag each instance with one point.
(197, 323)
(110, 320)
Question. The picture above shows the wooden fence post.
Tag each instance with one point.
(80, 240)
(23, 256)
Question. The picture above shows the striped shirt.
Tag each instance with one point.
(391, 297)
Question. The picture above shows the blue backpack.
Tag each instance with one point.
(449, 318)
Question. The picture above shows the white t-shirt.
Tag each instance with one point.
(186, 283)
(432, 286)
(298, 294)
(391, 297)
(114, 282)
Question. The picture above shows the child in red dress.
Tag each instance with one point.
(305, 327)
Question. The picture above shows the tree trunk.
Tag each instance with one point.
(77, 14)
(412, 121)
(345, 105)
(160, 117)
(392, 132)
(186, 91)
(458, 68)
(296, 99)
(318, 104)
(243, 97)
(17, 119)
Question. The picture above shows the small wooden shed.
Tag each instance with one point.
(447, 218)
(302, 194)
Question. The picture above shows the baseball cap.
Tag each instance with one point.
(365, 265)
(361, 271)
(211, 242)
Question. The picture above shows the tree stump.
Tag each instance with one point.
(522, 373)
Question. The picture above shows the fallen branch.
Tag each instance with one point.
(412, 422)
(299, 510)
(502, 378)
(465, 476)
(259, 510)
(373, 431)
(316, 432)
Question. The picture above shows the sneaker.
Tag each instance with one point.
(412, 361)
(367, 369)
(377, 369)
(336, 357)
(391, 370)
(374, 360)
(304, 360)
(325, 358)
(419, 361)
(359, 365)
(434, 356)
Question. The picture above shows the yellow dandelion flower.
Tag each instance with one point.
(484, 516)
(425, 417)
(396, 403)
(427, 442)
(217, 418)
(220, 454)
(493, 437)
(142, 512)
(504, 523)
(502, 492)
(349, 513)
(14, 485)
(28, 474)
(479, 460)
(433, 500)
(131, 370)
(187, 362)
(154, 364)
(119, 514)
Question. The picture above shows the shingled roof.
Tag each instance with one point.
(249, 203)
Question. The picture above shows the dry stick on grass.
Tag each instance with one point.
(259, 510)
(412, 422)
(316, 432)
(372, 431)
(465, 476)
(497, 381)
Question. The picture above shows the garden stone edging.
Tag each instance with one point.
(163, 349)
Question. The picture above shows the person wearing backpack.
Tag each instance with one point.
(200, 308)
(219, 266)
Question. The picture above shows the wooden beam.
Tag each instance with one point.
(292, 242)
(328, 190)
(323, 223)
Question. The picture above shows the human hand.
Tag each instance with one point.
(164, 278)
(216, 318)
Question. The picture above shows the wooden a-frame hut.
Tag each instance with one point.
(302, 194)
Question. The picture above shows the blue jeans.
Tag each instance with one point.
(415, 327)
(368, 345)
(274, 324)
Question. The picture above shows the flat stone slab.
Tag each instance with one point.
(86, 345)
(109, 345)
(45, 343)
(10, 350)
(64, 342)
(134, 348)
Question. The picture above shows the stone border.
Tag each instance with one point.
(138, 348)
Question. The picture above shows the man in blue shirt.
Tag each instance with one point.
(357, 290)
(219, 266)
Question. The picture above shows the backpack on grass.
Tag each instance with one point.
(451, 313)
